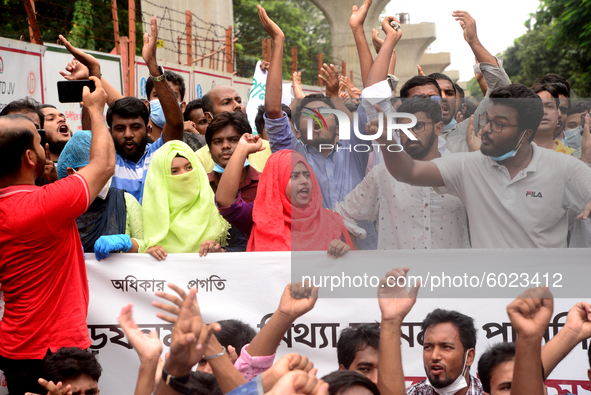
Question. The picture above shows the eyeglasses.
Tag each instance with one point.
(437, 98)
(418, 128)
(495, 126)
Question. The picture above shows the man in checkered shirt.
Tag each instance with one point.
(449, 338)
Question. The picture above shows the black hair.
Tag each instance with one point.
(459, 90)
(25, 105)
(463, 323)
(589, 356)
(579, 107)
(494, 356)
(259, 121)
(47, 106)
(418, 80)
(441, 76)
(192, 105)
(354, 339)
(422, 103)
(552, 78)
(307, 100)
(69, 363)
(550, 88)
(236, 119)
(14, 142)
(171, 77)
(207, 104)
(470, 108)
(529, 106)
(128, 107)
(202, 383)
(341, 380)
(235, 333)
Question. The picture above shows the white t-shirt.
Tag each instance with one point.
(527, 211)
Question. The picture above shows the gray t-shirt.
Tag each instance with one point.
(527, 211)
(495, 77)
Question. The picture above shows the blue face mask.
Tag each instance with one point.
(573, 137)
(156, 113)
(509, 154)
(451, 124)
(219, 169)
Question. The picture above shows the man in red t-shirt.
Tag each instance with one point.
(42, 270)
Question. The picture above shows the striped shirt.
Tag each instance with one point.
(130, 176)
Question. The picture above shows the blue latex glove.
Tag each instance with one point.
(111, 243)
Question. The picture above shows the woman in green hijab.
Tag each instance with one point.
(179, 211)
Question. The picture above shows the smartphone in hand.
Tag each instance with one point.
(71, 91)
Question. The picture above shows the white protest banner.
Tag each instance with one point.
(21, 71)
(256, 95)
(248, 286)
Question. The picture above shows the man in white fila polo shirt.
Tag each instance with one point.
(516, 193)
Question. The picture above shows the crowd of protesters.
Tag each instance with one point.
(164, 176)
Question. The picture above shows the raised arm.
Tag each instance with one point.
(190, 337)
(274, 86)
(330, 76)
(468, 25)
(395, 303)
(228, 186)
(404, 168)
(298, 92)
(84, 66)
(576, 329)
(379, 69)
(530, 314)
(148, 348)
(174, 126)
(287, 363)
(356, 22)
(102, 150)
(377, 45)
(296, 301)
(227, 376)
(219, 360)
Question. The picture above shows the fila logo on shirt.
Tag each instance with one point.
(533, 194)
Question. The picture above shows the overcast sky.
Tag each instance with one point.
(498, 23)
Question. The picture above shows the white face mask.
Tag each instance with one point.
(103, 193)
(573, 137)
(457, 385)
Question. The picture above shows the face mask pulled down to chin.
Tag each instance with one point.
(458, 384)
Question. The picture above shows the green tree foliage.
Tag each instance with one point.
(558, 42)
(474, 89)
(304, 26)
(88, 24)
(82, 25)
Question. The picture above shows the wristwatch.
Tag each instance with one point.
(177, 383)
(161, 77)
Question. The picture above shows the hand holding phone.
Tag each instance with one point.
(71, 91)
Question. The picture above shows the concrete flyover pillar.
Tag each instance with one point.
(337, 13)
(410, 51)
